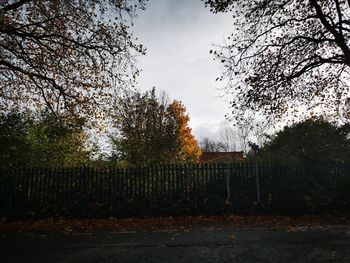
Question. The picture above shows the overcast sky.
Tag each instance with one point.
(178, 35)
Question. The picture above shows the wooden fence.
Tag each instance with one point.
(175, 190)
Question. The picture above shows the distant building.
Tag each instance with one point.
(220, 157)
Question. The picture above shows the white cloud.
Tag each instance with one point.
(178, 36)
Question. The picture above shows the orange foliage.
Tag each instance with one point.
(189, 148)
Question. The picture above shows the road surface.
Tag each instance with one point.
(226, 243)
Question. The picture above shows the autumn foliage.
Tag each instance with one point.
(152, 131)
(71, 55)
(189, 149)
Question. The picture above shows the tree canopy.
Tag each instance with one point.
(309, 140)
(42, 141)
(209, 145)
(152, 131)
(71, 55)
(287, 53)
(188, 148)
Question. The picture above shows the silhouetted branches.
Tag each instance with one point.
(71, 55)
(286, 53)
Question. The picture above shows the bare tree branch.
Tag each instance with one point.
(13, 6)
(69, 54)
(286, 54)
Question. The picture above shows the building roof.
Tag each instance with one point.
(209, 157)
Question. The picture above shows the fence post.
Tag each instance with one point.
(255, 149)
(227, 172)
(257, 180)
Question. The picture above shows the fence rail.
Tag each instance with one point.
(175, 190)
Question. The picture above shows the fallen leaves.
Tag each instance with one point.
(166, 224)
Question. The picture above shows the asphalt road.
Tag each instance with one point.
(201, 244)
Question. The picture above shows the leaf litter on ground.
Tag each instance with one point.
(167, 224)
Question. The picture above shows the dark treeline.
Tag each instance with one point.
(145, 129)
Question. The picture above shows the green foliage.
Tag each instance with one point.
(313, 139)
(15, 150)
(49, 140)
(147, 132)
(151, 131)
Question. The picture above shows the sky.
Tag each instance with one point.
(178, 35)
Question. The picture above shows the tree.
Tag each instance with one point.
(58, 142)
(145, 132)
(244, 127)
(150, 131)
(313, 139)
(188, 146)
(287, 53)
(15, 150)
(208, 145)
(229, 138)
(43, 141)
(71, 55)
(251, 126)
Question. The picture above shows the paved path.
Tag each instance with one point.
(202, 244)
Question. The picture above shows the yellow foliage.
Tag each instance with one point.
(189, 148)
